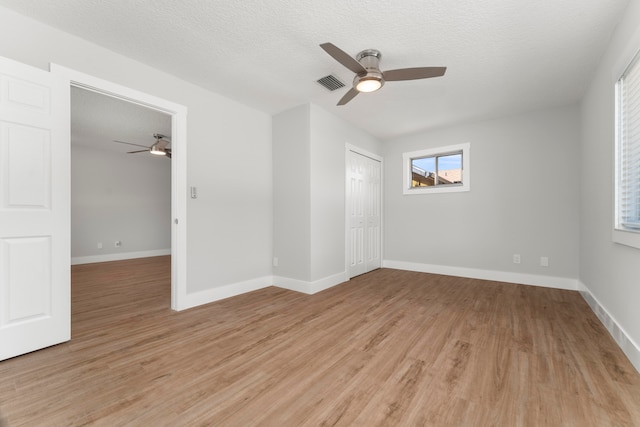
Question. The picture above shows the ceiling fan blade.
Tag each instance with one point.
(139, 151)
(162, 144)
(348, 96)
(344, 58)
(129, 143)
(413, 73)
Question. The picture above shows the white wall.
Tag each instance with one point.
(115, 196)
(292, 193)
(229, 237)
(609, 271)
(309, 195)
(523, 200)
(329, 134)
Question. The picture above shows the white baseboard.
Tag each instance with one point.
(310, 287)
(119, 256)
(234, 289)
(222, 292)
(628, 346)
(475, 273)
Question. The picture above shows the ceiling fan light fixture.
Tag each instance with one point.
(157, 150)
(368, 85)
(369, 82)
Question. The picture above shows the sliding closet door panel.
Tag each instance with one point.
(364, 207)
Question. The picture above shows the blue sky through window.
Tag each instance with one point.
(453, 161)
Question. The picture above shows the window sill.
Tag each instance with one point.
(437, 189)
(628, 238)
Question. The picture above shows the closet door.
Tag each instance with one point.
(364, 212)
(372, 212)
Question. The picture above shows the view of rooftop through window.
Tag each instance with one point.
(436, 170)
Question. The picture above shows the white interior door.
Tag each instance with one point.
(34, 209)
(356, 214)
(364, 213)
(372, 214)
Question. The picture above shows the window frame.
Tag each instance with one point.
(408, 157)
(624, 235)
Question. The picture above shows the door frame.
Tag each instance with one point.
(352, 148)
(178, 115)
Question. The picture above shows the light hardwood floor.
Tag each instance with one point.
(389, 348)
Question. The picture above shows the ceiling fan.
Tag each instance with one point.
(369, 77)
(158, 148)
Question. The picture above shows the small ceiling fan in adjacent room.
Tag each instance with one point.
(158, 148)
(369, 77)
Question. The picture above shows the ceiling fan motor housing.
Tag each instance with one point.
(372, 80)
(370, 59)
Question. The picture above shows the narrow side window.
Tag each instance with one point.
(627, 182)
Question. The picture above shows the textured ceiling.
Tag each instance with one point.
(503, 56)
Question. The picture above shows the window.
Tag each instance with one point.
(628, 155)
(437, 170)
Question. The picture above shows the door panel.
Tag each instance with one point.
(356, 187)
(29, 278)
(34, 209)
(364, 204)
(373, 214)
(28, 159)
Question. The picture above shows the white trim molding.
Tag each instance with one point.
(222, 292)
(630, 348)
(310, 288)
(363, 152)
(476, 273)
(179, 199)
(119, 256)
(234, 289)
(626, 237)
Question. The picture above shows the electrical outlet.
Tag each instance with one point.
(516, 258)
(544, 261)
(99, 245)
(275, 261)
(118, 243)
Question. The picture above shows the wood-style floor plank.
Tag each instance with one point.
(389, 348)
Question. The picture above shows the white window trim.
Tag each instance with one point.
(628, 238)
(466, 169)
(621, 235)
